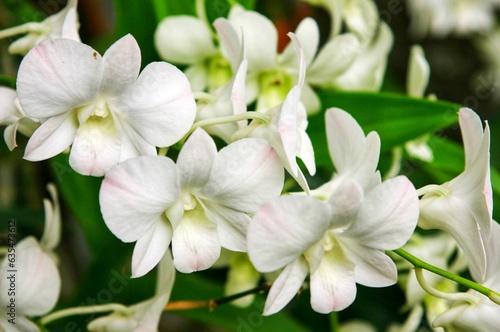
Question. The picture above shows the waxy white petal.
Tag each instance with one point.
(230, 45)
(244, 175)
(135, 194)
(52, 138)
(37, 280)
(388, 215)
(284, 229)
(122, 62)
(195, 160)
(307, 33)
(333, 286)
(195, 244)
(286, 286)
(184, 40)
(150, 248)
(159, 105)
(57, 76)
(96, 147)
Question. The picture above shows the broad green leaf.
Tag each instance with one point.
(396, 118)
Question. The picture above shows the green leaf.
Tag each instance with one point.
(396, 118)
(7, 81)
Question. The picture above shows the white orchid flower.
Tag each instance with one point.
(338, 238)
(463, 206)
(63, 24)
(199, 204)
(37, 286)
(99, 105)
(12, 116)
(286, 129)
(484, 315)
(143, 316)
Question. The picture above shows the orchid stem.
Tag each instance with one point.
(83, 311)
(214, 303)
(418, 263)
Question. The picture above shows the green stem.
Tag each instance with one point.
(334, 321)
(492, 295)
(84, 311)
(161, 9)
(7, 81)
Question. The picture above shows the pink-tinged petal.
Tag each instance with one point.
(96, 147)
(244, 175)
(135, 194)
(286, 286)
(160, 105)
(122, 63)
(195, 160)
(373, 268)
(472, 134)
(334, 59)
(388, 215)
(150, 248)
(453, 216)
(52, 138)
(284, 229)
(260, 38)
(308, 34)
(184, 40)
(230, 45)
(37, 280)
(195, 244)
(333, 286)
(232, 226)
(57, 76)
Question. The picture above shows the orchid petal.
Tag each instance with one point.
(122, 62)
(284, 229)
(307, 33)
(388, 215)
(184, 40)
(37, 280)
(135, 194)
(333, 285)
(9, 136)
(418, 72)
(286, 286)
(52, 138)
(230, 45)
(244, 175)
(96, 147)
(8, 107)
(195, 244)
(150, 248)
(57, 76)
(160, 105)
(195, 160)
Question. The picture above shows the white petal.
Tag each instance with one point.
(230, 45)
(286, 286)
(287, 128)
(284, 229)
(57, 76)
(184, 40)
(244, 175)
(51, 236)
(122, 62)
(150, 248)
(9, 135)
(195, 244)
(96, 147)
(308, 34)
(310, 100)
(388, 216)
(133, 144)
(333, 287)
(231, 225)
(373, 268)
(135, 194)
(160, 105)
(195, 160)
(8, 107)
(37, 280)
(52, 138)
(334, 58)
(260, 37)
(418, 72)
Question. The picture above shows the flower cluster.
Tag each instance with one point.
(217, 159)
